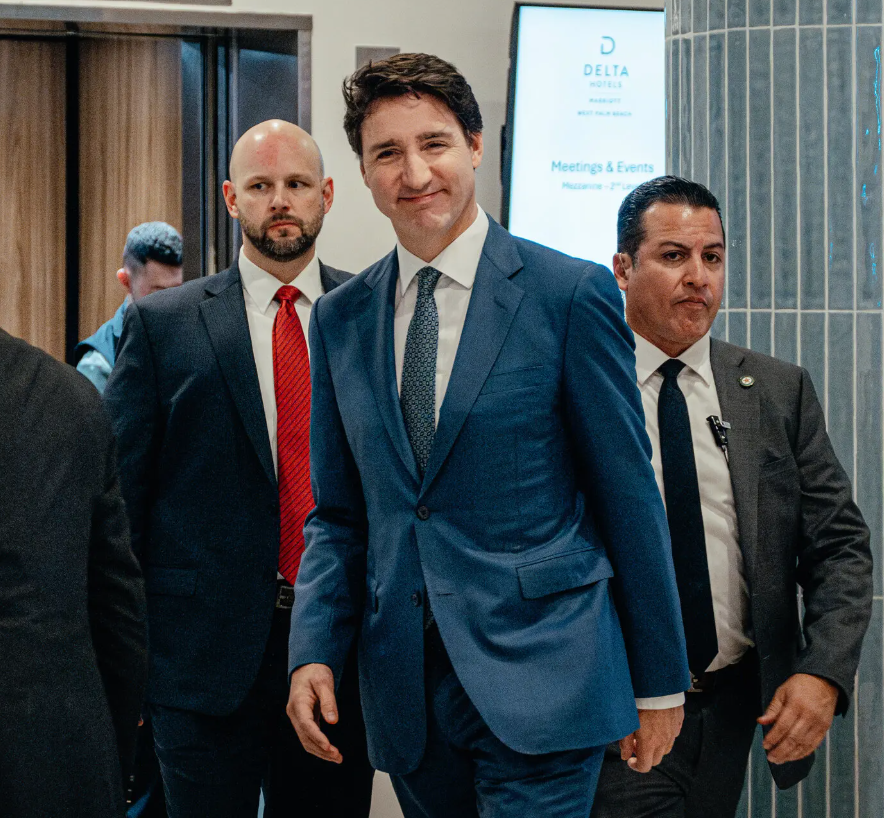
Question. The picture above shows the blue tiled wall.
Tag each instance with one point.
(776, 106)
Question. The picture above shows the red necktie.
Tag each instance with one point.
(291, 378)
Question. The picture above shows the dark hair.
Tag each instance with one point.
(152, 241)
(666, 189)
(408, 74)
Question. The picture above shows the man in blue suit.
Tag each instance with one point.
(210, 403)
(487, 524)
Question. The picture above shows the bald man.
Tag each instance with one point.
(210, 402)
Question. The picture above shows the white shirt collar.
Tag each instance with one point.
(459, 261)
(649, 358)
(262, 286)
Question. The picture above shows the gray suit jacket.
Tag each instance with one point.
(798, 526)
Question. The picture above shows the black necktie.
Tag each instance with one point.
(682, 493)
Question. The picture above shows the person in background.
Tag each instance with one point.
(210, 400)
(73, 659)
(758, 508)
(151, 262)
(487, 526)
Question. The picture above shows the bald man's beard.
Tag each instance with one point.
(285, 248)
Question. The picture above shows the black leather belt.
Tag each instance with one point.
(713, 679)
(285, 596)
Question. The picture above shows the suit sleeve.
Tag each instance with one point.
(329, 592)
(117, 610)
(613, 457)
(131, 401)
(834, 562)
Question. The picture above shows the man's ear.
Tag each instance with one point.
(622, 264)
(229, 190)
(328, 193)
(477, 147)
(362, 171)
(124, 278)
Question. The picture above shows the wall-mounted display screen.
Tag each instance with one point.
(585, 123)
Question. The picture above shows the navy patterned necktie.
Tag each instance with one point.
(417, 393)
(683, 511)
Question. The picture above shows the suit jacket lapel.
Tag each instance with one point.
(493, 305)
(224, 314)
(739, 406)
(376, 339)
(325, 279)
(331, 277)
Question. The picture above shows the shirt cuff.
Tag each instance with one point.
(660, 702)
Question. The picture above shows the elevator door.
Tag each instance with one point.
(130, 157)
(110, 125)
(32, 206)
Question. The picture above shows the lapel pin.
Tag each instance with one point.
(746, 381)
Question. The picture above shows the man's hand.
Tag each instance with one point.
(313, 692)
(801, 713)
(655, 736)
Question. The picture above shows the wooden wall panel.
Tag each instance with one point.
(130, 157)
(32, 208)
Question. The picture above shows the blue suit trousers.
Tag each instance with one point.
(467, 771)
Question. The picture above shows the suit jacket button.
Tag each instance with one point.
(423, 513)
(416, 599)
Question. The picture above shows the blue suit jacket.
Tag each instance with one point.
(200, 488)
(537, 533)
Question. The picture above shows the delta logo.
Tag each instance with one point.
(606, 70)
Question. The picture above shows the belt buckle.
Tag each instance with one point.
(285, 597)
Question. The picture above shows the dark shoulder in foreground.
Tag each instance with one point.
(189, 293)
(724, 353)
(30, 377)
(558, 278)
(351, 286)
(336, 275)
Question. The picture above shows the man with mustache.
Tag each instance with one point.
(210, 400)
(757, 506)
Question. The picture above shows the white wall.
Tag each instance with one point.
(473, 34)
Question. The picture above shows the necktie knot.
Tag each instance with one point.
(671, 368)
(427, 278)
(287, 293)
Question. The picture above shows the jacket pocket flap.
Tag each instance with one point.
(171, 581)
(517, 379)
(781, 464)
(564, 572)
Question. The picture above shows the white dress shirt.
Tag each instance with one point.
(259, 289)
(730, 595)
(458, 264)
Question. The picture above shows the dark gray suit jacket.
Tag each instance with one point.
(200, 488)
(798, 526)
(72, 634)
